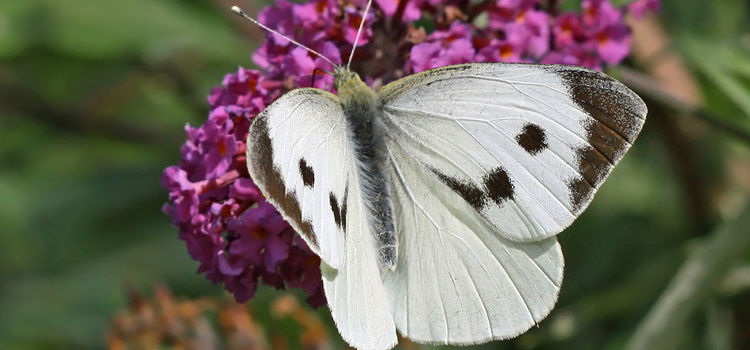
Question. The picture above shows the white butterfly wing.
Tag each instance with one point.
(457, 281)
(297, 155)
(527, 146)
(487, 162)
(356, 294)
(300, 156)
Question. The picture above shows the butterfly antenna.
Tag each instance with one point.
(359, 33)
(244, 15)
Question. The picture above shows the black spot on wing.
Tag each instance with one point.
(306, 171)
(497, 188)
(343, 208)
(335, 208)
(339, 210)
(532, 139)
(260, 157)
(470, 192)
(498, 185)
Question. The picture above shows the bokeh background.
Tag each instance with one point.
(93, 99)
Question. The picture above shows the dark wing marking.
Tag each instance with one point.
(274, 182)
(497, 187)
(556, 131)
(532, 138)
(470, 192)
(306, 171)
(617, 119)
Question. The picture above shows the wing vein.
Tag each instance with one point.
(431, 150)
(447, 117)
(548, 106)
(521, 214)
(479, 295)
(439, 229)
(536, 200)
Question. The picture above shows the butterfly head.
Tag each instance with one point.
(355, 95)
(344, 78)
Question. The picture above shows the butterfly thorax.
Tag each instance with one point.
(359, 103)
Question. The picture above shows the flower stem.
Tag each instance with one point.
(224, 180)
(399, 13)
(647, 87)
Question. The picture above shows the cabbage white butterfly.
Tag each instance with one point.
(434, 202)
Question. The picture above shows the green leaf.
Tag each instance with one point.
(718, 69)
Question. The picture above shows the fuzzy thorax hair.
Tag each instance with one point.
(360, 105)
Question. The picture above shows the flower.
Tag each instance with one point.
(239, 239)
(411, 10)
(613, 43)
(444, 47)
(568, 29)
(639, 8)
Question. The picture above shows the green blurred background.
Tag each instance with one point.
(93, 99)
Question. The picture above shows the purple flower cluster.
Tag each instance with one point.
(533, 31)
(236, 236)
(228, 227)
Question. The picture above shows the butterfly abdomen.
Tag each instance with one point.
(359, 103)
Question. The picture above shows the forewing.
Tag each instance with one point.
(457, 281)
(299, 156)
(526, 146)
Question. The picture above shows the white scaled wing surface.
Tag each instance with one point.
(526, 146)
(355, 293)
(458, 281)
(300, 156)
(486, 163)
(296, 150)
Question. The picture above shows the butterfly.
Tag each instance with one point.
(434, 202)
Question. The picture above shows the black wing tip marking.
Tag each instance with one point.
(617, 116)
(260, 152)
(594, 168)
(306, 171)
(497, 187)
(613, 106)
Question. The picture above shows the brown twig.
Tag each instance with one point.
(399, 13)
(649, 88)
(693, 285)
